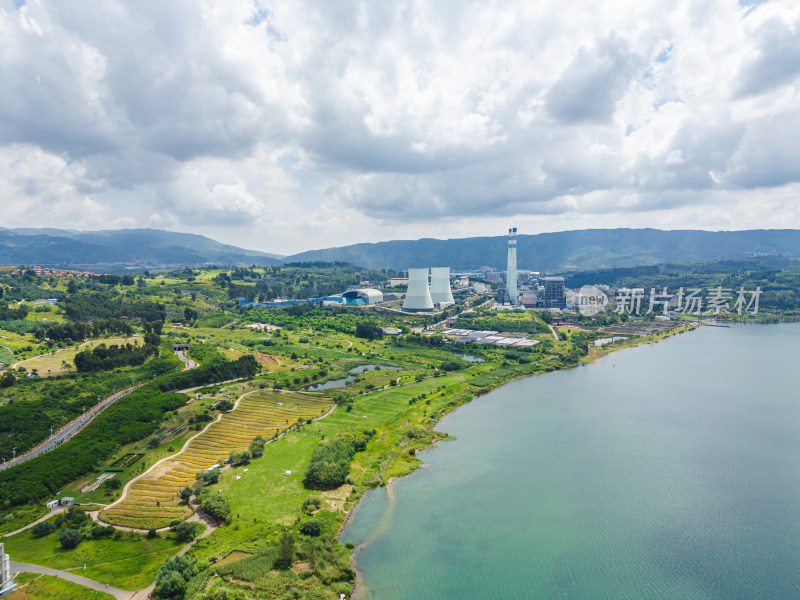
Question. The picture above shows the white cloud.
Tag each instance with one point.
(358, 121)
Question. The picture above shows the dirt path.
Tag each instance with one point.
(95, 514)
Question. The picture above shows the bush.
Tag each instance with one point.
(186, 531)
(42, 528)
(224, 406)
(151, 533)
(99, 532)
(311, 528)
(69, 538)
(209, 477)
(215, 506)
(173, 575)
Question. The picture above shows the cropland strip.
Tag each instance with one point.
(152, 501)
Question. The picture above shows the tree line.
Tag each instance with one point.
(131, 418)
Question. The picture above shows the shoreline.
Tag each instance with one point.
(359, 586)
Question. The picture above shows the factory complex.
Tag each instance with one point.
(464, 336)
(428, 289)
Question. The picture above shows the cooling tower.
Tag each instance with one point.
(511, 270)
(418, 296)
(440, 285)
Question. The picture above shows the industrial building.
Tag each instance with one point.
(362, 296)
(554, 296)
(511, 269)
(7, 584)
(440, 286)
(418, 296)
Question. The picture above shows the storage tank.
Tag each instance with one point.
(440, 285)
(418, 296)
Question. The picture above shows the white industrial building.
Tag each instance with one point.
(440, 286)
(363, 296)
(7, 584)
(418, 296)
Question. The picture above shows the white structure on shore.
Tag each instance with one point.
(418, 296)
(7, 584)
(440, 286)
(511, 270)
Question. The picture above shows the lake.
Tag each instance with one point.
(670, 470)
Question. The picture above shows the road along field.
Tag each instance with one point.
(59, 362)
(152, 500)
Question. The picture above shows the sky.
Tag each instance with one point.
(290, 126)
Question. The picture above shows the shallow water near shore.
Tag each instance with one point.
(670, 470)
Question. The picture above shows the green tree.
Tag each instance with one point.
(7, 379)
(285, 550)
(257, 447)
(173, 575)
(69, 538)
(186, 493)
(215, 506)
(311, 528)
(209, 477)
(42, 528)
(186, 530)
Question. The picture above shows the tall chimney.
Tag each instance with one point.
(511, 269)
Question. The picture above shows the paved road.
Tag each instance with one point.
(70, 429)
(18, 567)
(46, 516)
(188, 363)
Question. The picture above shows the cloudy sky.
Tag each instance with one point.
(287, 126)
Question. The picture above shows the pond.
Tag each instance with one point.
(350, 379)
(609, 340)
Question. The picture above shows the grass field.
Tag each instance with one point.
(266, 493)
(152, 501)
(33, 586)
(54, 363)
(6, 355)
(129, 564)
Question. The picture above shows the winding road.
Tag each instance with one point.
(77, 425)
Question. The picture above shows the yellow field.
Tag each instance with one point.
(153, 501)
(51, 364)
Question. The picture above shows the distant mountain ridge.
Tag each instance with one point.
(118, 250)
(567, 251)
(115, 251)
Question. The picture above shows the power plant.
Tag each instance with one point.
(440, 286)
(511, 269)
(422, 295)
(418, 295)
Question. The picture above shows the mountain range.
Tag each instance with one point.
(568, 251)
(115, 251)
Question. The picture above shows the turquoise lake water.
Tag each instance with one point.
(667, 471)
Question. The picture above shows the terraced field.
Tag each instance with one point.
(152, 500)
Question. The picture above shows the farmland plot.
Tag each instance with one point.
(152, 501)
